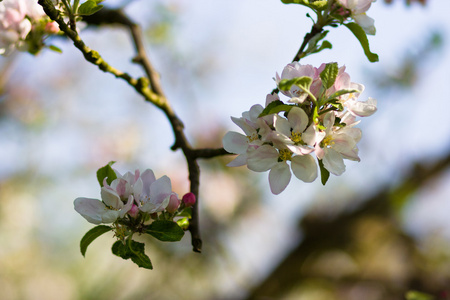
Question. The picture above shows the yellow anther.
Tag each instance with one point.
(252, 137)
(285, 154)
(328, 141)
(296, 137)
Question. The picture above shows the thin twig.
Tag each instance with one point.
(151, 90)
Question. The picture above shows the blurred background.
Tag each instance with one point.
(376, 232)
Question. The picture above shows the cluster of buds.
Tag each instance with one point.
(319, 117)
(23, 26)
(356, 10)
(131, 201)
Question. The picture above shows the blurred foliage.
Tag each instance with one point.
(361, 253)
(406, 72)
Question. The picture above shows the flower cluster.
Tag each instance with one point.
(319, 117)
(130, 200)
(356, 9)
(23, 25)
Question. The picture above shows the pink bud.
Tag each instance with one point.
(134, 211)
(52, 27)
(174, 203)
(189, 199)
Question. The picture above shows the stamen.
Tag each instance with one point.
(285, 154)
(296, 137)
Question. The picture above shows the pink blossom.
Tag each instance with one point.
(15, 24)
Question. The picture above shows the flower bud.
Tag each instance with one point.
(52, 27)
(134, 211)
(189, 199)
(174, 203)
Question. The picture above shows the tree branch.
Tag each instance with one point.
(150, 88)
(315, 29)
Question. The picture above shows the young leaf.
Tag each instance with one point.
(183, 223)
(324, 173)
(106, 172)
(91, 235)
(362, 38)
(54, 48)
(269, 107)
(340, 93)
(275, 107)
(329, 74)
(314, 41)
(302, 82)
(165, 231)
(325, 45)
(187, 212)
(88, 8)
(133, 250)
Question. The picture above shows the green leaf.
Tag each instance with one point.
(275, 107)
(106, 172)
(166, 231)
(360, 34)
(187, 212)
(133, 250)
(91, 235)
(54, 48)
(340, 93)
(414, 295)
(325, 45)
(324, 173)
(329, 74)
(303, 82)
(88, 8)
(183, 223)
(314, 41)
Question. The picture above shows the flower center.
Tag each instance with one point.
(296, 137)
(112, 208)
(252, 138)
(328, 141)
(284, 155)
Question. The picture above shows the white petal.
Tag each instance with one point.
(310, 136)
(129, 177)
(254, 112)
(279, 177)
(137, 187)
(110, 216)
(240, 160)
(148, 177)
(243, 125)
(262, 158)
(367, 23)
(298, 119)
(333, 162)
(299, 149)
(127, 206)
(328, 120)
(362, 108)
(160, 189)
(282, 125)
(304, 168)
(91, 209)
(235, 142)
(111, 198)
